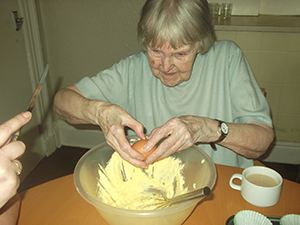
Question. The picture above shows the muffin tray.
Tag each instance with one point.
(274, 219)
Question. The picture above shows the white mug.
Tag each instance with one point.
(258, 194)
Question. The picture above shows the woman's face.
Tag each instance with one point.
(172, 66)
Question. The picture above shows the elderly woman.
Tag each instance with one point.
(10, 168)
(185, 86)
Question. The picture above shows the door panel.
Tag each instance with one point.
(16, 87)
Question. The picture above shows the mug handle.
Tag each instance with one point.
(234, 186)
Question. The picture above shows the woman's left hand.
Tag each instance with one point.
(250, 139)
(182, 133)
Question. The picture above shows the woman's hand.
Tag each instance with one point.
(182, 133)
(71, 105)
(250, 139)
(9, 153)
(113, 119)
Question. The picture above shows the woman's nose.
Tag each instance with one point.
(167, 63)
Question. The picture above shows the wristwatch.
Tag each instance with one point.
(224, 130)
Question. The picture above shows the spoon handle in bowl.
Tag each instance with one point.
(191, 195)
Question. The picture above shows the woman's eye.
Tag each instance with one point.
(180, 55)
(156, 53)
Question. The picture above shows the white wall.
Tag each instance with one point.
(83, 37)
(280, 7)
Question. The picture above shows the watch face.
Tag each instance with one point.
(224, 128)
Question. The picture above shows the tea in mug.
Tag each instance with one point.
(262, 180)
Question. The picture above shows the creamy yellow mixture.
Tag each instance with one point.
(123, 185)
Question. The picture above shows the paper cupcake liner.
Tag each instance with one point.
(248, 217)
(290, 219)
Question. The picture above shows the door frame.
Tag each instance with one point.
(36, 65)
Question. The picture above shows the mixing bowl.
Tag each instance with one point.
(199, 171)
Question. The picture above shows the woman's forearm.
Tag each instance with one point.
(250, 139)
(72, 106)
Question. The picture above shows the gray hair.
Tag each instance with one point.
(180, 22)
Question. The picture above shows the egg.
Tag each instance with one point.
(138, 145)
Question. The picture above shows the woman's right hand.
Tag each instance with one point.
(71, 105)
(113, 119)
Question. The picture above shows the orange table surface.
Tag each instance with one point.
(57, 202)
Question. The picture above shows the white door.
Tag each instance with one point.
(16, 86)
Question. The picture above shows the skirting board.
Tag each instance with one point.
(83, 136)
(88, 137)
(283, 152)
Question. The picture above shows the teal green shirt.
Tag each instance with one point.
(221, 86)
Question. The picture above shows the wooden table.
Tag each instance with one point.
(57, 202)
